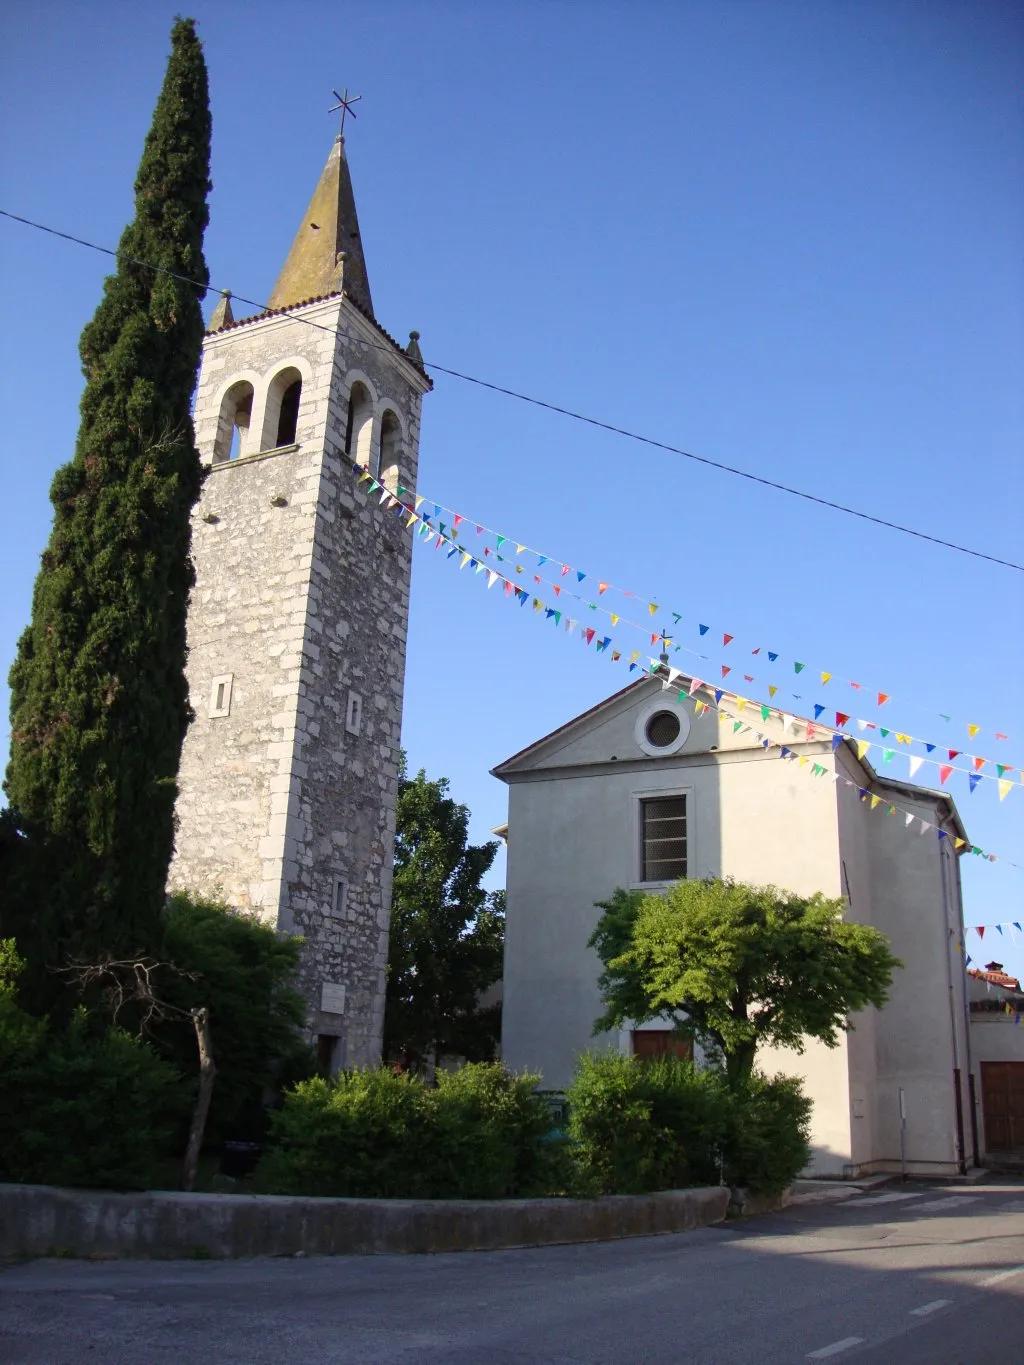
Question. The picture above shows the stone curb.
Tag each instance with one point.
(40, 1220)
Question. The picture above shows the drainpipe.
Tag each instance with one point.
(958, 1108)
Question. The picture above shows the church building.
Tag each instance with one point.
(655, 785)
(298, 620)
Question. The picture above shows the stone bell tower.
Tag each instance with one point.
(298, 622)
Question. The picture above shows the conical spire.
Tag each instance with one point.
(327, 253)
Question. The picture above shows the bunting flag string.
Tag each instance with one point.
(429, 534)
(445, 533)
(704, 630)
(1013, 927)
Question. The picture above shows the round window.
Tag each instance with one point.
(662, 729)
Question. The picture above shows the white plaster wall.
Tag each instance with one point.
(574, 837)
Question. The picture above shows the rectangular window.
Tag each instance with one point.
(354, 713)
(663, 839)
(339, 899)
(220, 695)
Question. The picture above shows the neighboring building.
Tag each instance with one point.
(997, 1047)
(297, 627)
(640, 791)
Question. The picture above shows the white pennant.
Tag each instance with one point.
(787, 721)
(915, 763)
(909, 820)
(492, 578)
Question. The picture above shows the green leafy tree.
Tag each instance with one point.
(447, 933)
(747, 964)
(244, 975)
(99, 703)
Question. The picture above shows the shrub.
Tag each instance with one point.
(482, 1134)
(82, 1105)
(664, 1124)
(244, 974)
(489, 1130)
(768, 1139)
(650, 1125)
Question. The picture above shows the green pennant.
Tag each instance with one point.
(736, 726)
(1001, 768)
(765, 712)
(883, 731)
(887, 755)
(798, 668)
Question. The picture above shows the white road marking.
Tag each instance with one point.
(1003, 1275)
(948, 1201)
(927, 1308)
(835, 1348)
(883, 1199)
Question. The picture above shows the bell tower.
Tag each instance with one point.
(298, 621)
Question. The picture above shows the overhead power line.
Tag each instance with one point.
(778, 486)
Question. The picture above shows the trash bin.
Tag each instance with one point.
(238, 1159)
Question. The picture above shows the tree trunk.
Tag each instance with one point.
(207, 1076)
(739, 1063)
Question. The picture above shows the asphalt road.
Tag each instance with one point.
(928, 1276)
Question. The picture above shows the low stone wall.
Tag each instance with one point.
(39, 1220)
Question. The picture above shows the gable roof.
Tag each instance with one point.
(651, 679)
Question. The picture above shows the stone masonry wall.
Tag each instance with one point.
(355, 644)
(301, 599)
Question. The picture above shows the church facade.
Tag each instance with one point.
(298, 620)
(648, 788)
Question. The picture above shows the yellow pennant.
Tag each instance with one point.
(537, 604)
(700, 707)
(634, 656)
(652, 607)
(862, 747)
(803, 759)
(465, 560)
(875, 800)
(959, 843)
(740, 703)
(615, 619)
(1004, 786)
(972, 730)
(411, 519)
(419, 502)
(520, 549)
(825, 677)
(772, 690)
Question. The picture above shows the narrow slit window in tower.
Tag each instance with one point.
(288, 421)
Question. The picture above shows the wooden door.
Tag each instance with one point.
(657, 1042)
(1002, 1101)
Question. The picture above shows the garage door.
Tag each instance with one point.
(1002, 1100)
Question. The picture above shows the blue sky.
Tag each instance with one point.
(785, 236)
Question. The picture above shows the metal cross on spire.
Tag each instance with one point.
(345, 104)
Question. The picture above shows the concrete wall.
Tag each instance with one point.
(38, 1220)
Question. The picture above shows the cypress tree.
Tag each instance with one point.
(99, 702)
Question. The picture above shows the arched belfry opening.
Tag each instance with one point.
(359, 428)
(390, 451)
(232, 439)
(283, 398)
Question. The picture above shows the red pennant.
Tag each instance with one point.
(944, 772)
(589, 633)
(756, 651)
(999, 735)
(841, 720)
(979, 763)
(456, 522)
(557, 589)
(726, 639)
(726, 670)
(883, 697)
(748, 677)
(655, 638)
(981, 930)
(953, 753)
(856, 685)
